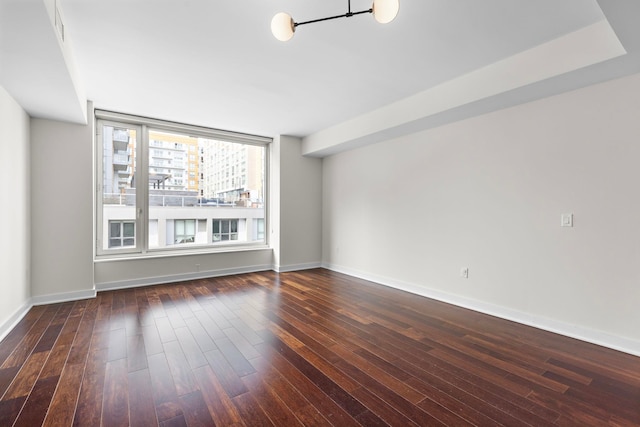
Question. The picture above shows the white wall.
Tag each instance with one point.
(487, 193)
(61, 206)
(297, 206)
(14, 212)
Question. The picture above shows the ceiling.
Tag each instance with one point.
(215, 63)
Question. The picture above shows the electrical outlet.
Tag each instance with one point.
(464, 272)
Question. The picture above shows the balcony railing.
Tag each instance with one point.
(120, 139)
(168, 200)
(120, 162)
(121, 135)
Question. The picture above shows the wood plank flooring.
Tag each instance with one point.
(312, 348)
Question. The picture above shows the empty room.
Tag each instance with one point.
(320, 213)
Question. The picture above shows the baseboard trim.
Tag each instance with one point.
(64, 297)
(14, 319)
(600, 338)
(18, 315)
(296, 267)
(159, 280)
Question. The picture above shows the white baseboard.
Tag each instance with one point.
(64, 297)
(296, 267)
(17, 316)
(159, 280)
(13, 320)
(604, 339)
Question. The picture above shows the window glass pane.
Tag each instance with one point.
(129, 229)
(129, 242)
(118, 183)
(192, 176)
(185, 231)
(114, 229)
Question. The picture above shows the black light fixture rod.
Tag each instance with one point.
(283, 26)
(346, 15)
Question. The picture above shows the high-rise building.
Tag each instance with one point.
(173, 162)
(118, 157)
(232, 172)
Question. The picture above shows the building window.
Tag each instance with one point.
(122, 234)
(260, 229)
(225, 230)
(184, 231)
(150, 192)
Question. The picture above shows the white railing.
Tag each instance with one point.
(169, 200)
(120, 159)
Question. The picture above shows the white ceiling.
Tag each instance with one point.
(215, 63)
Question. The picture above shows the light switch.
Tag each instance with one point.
(566, 220)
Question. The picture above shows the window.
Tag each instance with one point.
(144, 208)
(184, 231)
(225, 230)
(260, 229)
(121, 234)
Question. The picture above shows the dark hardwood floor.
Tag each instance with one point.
(312, 348)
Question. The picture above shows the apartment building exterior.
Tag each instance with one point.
(174, 161)
(229, 171)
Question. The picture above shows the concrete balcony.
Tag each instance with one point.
(120, 139)
(120, 162)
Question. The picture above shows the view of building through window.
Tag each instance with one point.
(198, 191)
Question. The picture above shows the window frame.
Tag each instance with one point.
(139, 199)
(229, 233)
(143, 126)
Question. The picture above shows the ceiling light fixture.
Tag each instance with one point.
(384, 11)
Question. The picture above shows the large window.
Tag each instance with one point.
(167, 186)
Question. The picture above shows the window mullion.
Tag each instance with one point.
(142, 192)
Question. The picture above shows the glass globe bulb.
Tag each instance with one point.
(385, 11)
(282, 26)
